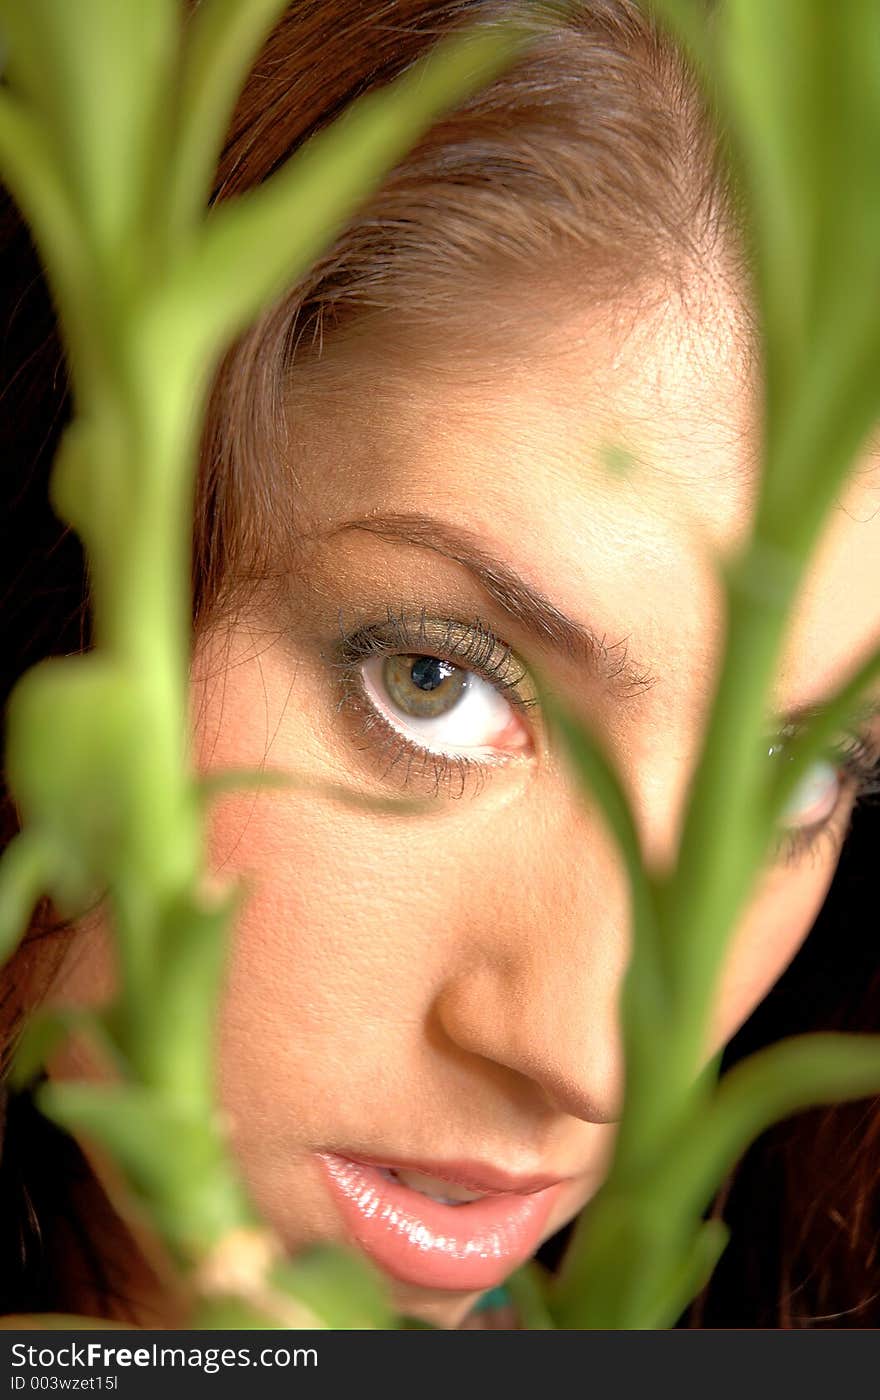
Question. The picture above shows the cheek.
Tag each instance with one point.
(300, 997)
(333, 964)
(777, 921)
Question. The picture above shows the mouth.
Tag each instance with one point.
(464, 1230)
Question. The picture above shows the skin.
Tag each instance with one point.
(444, 983)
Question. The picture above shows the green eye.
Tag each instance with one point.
(423, 687)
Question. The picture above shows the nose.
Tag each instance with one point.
(535, 988)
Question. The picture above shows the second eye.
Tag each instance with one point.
(442, 707)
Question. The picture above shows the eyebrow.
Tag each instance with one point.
(611, 664)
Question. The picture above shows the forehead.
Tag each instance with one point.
(608, 457)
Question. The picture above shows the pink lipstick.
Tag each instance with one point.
(469, 1245)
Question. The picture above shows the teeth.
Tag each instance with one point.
(446, 1192)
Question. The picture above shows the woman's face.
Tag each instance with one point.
(436, 989)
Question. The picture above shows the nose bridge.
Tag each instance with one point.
(538, 992)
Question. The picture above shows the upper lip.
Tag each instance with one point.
(473, 1176)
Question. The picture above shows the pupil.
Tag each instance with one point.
(428, 672)
(423, 686)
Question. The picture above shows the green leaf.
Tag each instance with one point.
(798, 1073)
(82, 742)
(78, 62)
(802, 97)
(688, 21)
(217, 782)
(72, 726)
(172, 1154)
(701, 898)
(48, 1028)
(618, 461)
(231, 1314)
(689, 1274)
(605, 1265)
(340, 1285)
(29, 166)
(222, 41)
(28, 865)
(645, 1000)
(527, 1287)
(177, 1037)
(88, 490)
(600, 783)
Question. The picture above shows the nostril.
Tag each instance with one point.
(572, 1063)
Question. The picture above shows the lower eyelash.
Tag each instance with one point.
(793, 845)
(445, 769)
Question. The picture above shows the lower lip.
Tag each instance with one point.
(423, 1242)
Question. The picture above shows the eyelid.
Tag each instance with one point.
(472, 646)
(789, 726)
(854, 748)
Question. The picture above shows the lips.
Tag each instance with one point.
(469, 1245)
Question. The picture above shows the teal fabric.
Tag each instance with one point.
(495, 1298)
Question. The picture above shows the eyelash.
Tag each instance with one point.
(473, 646)
(476, 648)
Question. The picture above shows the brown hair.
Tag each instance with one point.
(590, 163)
(597, 142)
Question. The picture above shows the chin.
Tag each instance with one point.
(445, 1311)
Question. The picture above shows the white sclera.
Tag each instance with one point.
(820, 781)
(474, 724)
